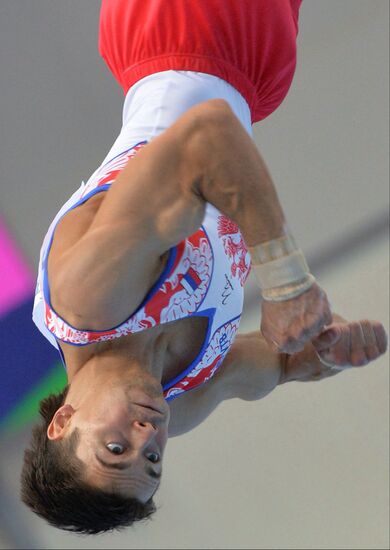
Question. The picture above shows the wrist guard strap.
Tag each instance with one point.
(280, 269)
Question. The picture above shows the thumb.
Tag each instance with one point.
(327, 338)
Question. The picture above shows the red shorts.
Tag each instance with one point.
(251, 44)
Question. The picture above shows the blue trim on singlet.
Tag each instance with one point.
(150, 294)
(62, 356)
(209, 313)
(182, 375)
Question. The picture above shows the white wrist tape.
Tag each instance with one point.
(288, 292)
(280, 269)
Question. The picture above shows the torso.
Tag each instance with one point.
(177, 344)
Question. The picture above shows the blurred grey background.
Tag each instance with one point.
(308, 466)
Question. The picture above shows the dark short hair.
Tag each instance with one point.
(52, 483)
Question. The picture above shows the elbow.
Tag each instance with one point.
(213, 114)
(217, 107)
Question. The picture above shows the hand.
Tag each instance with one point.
(287, 326)
(351, 344)
(343, 344)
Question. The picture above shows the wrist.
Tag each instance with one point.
(280, 269)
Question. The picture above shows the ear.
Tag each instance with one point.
(58, 427)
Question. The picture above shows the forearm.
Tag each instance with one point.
(232, 176)
(251, 369)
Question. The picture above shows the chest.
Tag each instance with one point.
(175, 345)
(185, 339)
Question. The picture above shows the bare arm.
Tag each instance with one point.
(251, 370)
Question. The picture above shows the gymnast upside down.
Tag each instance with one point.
(142, 271)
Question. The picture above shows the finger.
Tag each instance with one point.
(371, 346)
(310, 331)
(341, 351)
(328, 359)
(358, 355)
(375, 346)
(381, 336)
(369, 334)
(372, 352)
(327, 338)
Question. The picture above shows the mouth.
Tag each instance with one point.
(148, 407)
(149, 403)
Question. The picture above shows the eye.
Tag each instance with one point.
(153, 457)
(115, 448)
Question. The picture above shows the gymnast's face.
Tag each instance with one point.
(123, 433)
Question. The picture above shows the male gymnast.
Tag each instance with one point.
(142, 271)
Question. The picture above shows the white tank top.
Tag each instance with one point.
(205, 273)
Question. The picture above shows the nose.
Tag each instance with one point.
(145, 431)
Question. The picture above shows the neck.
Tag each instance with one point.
(146, 349)
(115, 356)
(112, 368)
